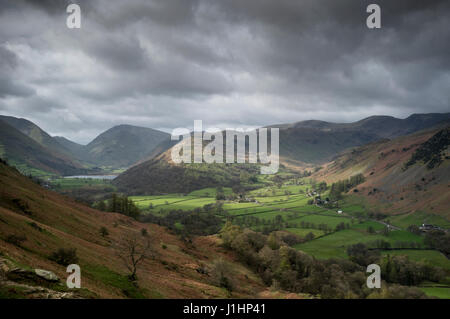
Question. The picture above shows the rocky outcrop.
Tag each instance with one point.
(47, 275)
(32, 284)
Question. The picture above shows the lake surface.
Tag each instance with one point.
(93, 176)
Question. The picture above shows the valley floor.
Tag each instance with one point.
(328, 231)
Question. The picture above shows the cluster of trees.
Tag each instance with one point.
(438, 239)
(214, 207)
(395, 269)
(376, 215)
(220, 195)
(222, 275)
(119, 204)
(342, 226)
(343, 186)
(64, 256)
(238, 191)
(385, 245)
(267, 226)
(246, 177)
(435, 239)
(276, 223)
(187, 177)
(305, 173)
(188, 223)
(321, 187)
(360, 254)
(289, 269)
(292, 239)
(401, 270)
(432, 151)
(323, 227)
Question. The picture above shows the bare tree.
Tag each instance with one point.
(132, 251)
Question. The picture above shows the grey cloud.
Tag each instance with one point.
(8, 85)
(11, 88)
(253, 62)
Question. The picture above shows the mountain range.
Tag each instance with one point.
(302, 144)
(21, 150)
(119, 147)
(318, 142)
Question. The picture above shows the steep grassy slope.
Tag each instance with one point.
(312, 145)
(319, 141)
(50, 221)
(161, 175)
(76, 149)
(124, 145)
(392, 186)
(120, 146)
(21, 149)
(36, 133)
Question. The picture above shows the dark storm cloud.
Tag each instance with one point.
(8, 85)
(255, 62)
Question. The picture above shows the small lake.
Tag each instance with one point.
(93, 176)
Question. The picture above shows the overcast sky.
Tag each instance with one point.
(165, 63)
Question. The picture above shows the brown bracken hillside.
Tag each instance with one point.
(49, 221)
(405, 174)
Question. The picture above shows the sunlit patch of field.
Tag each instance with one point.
(418, 218)
(143, 202)
(302, 232)
(430, 257)
(439, 292)
(210, 192)
(301, 218)
(335, 244)
(321, 219)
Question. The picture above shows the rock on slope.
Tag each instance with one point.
(50, 221)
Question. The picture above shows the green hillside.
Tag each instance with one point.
(124, 145)
(37, 134)
(21, 150)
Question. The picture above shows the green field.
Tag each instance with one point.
(331, 221)
(143, 202)
(302, 232)
(365, 225)
(439, 292)
(265, 205)
(335, 244)
(431, 257)
(210, 192)
(28, 170)
(76, 183)
(171, 202)
(418, 218)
